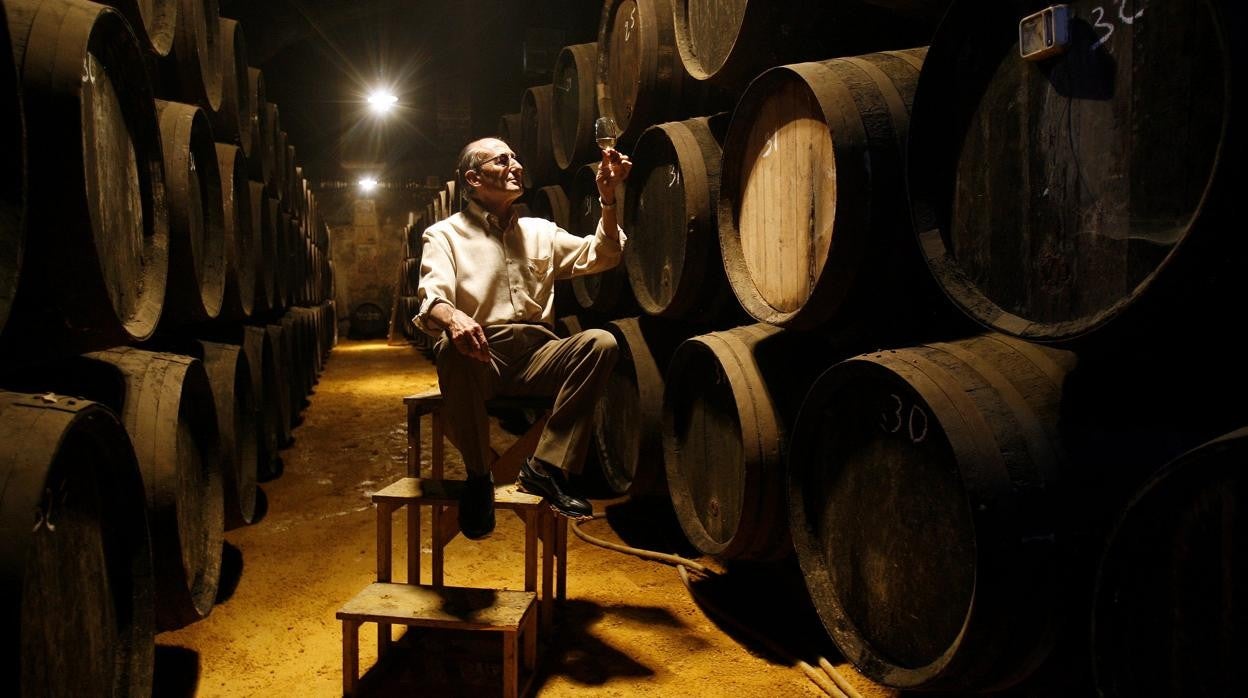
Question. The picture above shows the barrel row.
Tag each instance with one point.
(149, 200)
(948, 502)
(132, 462)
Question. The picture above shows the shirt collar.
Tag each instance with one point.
(490, 220)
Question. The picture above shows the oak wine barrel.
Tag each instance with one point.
(282, 365)
(263, 222)
(273, 183)
(196, 215)
(75, 554)
(640, 79)
(628, 432)
(192, 71)
(240, 239)
(608, 291)
(232, 122)
(574, 106)
(260, 158)
(1086, 197)
(96, 192)
(730, 43)
(509, 129)
(153, 22)
(239, 425)
(297, 370)
(261, 360)
(837, 246)
(673, 261)
(166, 405)
(729, 400)
(1167, 618)
(928, 513)
(12, 175)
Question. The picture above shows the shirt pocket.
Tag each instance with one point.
(541, 280)
(539, 267)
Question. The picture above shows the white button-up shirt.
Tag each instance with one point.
(499, 275)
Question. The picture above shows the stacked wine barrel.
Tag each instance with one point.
(406, 304)
(969, 241)
(165, 307)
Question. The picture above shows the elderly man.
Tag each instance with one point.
(487, 282)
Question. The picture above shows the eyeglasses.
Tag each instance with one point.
(504, 159)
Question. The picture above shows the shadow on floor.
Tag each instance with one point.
(231, 571)
(765, 607)
(465, 663)
(176, 673)
(649, 524)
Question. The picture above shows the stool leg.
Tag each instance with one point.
(548, 559)
(440, 540)
(350, 656)
(510, 674)
(413, 543)
(561, 549)
(385, 512)
(530, 642)
(436, 436)
(413, 442)
(531, 522)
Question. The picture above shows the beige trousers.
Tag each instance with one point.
(526, 361)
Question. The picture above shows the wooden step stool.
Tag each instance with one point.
(551, 528)
(443, 496)
(510, 613)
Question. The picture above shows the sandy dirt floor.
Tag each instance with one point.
(629, 627)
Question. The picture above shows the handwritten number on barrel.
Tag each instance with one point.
(894, 416)
(1100, 23)
(918, 424)
(915, 419)
(675, 176)
(629, 24)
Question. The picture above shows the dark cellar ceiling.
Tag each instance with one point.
(320, 57)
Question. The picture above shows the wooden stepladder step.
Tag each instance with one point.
(509, 613)
(540, 524)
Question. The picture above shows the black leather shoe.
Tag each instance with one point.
(476, 507)
(553, 487)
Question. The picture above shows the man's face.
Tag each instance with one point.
(500, 173)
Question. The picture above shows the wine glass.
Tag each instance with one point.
(605, 132)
